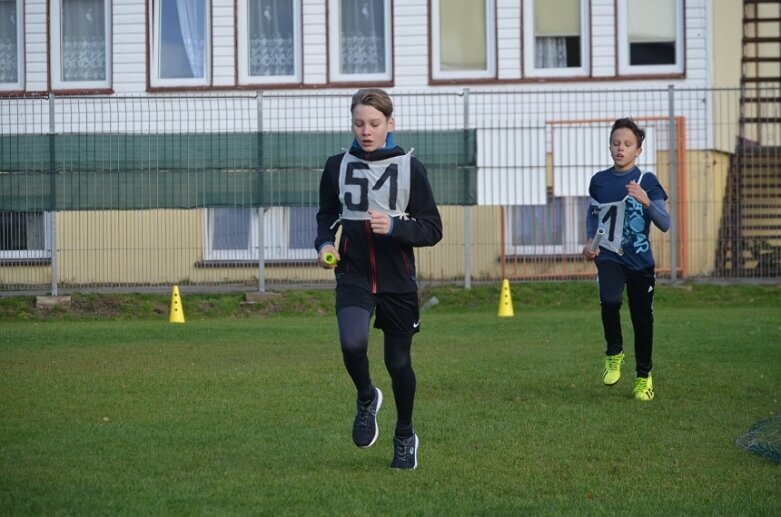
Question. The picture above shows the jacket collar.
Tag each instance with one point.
(379, 154)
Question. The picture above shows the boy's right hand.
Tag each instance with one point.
(328, 249)
(588, 252)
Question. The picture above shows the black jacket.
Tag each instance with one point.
(379, 263)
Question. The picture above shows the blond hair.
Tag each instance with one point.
(377, 98)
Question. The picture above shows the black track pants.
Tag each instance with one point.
(640, 286)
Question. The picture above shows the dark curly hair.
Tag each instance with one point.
(630, 125)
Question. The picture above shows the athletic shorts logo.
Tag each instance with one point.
(416, 324)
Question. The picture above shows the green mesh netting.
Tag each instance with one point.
(764, 438)
(187, 170)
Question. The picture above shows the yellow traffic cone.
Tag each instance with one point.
(505, 301)
(177, 311)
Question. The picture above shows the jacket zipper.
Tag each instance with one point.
(406, 263)
(372, 258)
(344, 251)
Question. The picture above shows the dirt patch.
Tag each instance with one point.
(94, 306)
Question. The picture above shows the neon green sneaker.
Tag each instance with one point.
(612, 368)
(644, 388)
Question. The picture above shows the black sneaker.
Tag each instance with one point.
(365, 429)
(405, 452)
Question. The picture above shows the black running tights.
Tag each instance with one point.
(354, 340)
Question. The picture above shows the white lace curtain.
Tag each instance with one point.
(83, 37)
(9, 49)
(182, 38)
(271, 47)
(362, 36)
(550, 52)
(554, 22)
(192, 15)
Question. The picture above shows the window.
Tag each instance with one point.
(463, 39)
(557, 227)
(25, 235)
(181, 37)
(81, 44)
(269, 35)
(556, 37)
(288, 233)
(230, 234)
(360, 40)
(650, 36)
(11, 45)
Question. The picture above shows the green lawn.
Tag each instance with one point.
(251, 413)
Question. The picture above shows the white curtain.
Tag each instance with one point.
(9, 50)
(550, 52)
(362, 36)
(271, 37)
(537, 225)
(35, 231)
(192, 16)
(462, 35)
(230, 228)
(83, 36)
(652, 22)
(554, 22)
(303, 225)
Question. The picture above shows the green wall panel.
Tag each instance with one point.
(129, 171)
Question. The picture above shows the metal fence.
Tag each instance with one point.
(220, 191)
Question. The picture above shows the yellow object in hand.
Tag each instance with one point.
(330, 259)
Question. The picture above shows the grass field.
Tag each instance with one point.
(246, 410)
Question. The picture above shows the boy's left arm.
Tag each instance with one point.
(655, 203)
(657, 211)
(424, 226)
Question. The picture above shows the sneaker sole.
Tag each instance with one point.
(417, 443)
(376, 425)
(610, 383)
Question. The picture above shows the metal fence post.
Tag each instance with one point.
(467, 208)
(53, 194)
(261, 253)
(261, 237)
(673, 154)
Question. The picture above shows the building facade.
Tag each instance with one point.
(509, 101)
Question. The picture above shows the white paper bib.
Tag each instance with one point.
(611, 218)
(383, 186)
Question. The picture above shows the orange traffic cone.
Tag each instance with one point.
(177, 312)
(505, 301)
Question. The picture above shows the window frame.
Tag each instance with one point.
(623, 50)
(45, 253)
(573, 228)
(20, 70)
(55, 58)
(242, 39)
(334, 47)
(437, 74)
(276, 234)
(154, 58)
(529, 45)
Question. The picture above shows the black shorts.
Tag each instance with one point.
(396, 313)
(614, 277)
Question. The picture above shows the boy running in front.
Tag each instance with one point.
(382, 198)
